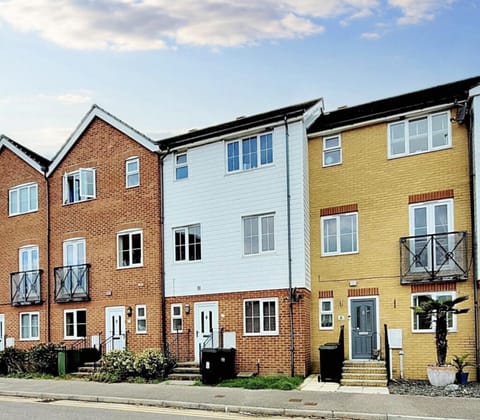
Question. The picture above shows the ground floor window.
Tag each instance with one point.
(177, 318)
(141, 318)
(326, 314)
(426, 323)
(29, 326)
(261, 316)
(75, 323)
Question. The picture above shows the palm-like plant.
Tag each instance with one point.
(439, 310)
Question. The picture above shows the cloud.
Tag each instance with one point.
(138, 25)
(370, 35)
(416, 11)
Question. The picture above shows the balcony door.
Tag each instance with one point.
(74, 259)
(432, 218)
(28, 266)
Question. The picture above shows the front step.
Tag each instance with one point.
(364, 373)
(185, 371)
(86, 370)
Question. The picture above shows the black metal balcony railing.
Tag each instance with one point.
(71, 283)
(25, 288)
(438, 257)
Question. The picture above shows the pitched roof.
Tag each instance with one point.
(97, 112)
(242, 123)
(437, 95)
(35, 160)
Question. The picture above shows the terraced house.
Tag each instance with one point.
(391, 225)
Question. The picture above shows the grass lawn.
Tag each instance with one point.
(285, 383)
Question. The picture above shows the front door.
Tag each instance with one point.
(364, 328)
(206, 326)
(2, 332)
(115, 334)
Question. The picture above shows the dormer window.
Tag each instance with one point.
(79, 185)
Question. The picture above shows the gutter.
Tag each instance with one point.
(47, 209)
(289, 243)
(163, 312)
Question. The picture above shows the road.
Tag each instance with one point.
(35, 409)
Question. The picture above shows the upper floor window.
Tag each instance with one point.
(260, 316)
(339, 234)
(79, 185)
(258, 234)
(23, 199)
(419, 135)
(250, 153)
(332, 150)
(129, 246)
(181, 166)
(132, 172)
(425, 323)
(188, 243)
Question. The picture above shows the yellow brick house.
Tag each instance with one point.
(391, 225)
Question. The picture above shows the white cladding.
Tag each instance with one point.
(218, 200)
(475, 95)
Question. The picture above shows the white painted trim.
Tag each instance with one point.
(320, 312)
(453, 295)
(130, 232)
(37, 338)
(234, 135)
(261, 333)
(35, 165)
(140, 318)
(331, 149)
(322, 232)
(377, 315)
(97, 112)
(74, 311)
(389, 118)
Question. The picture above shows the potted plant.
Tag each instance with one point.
(437, 311)
(461, 362)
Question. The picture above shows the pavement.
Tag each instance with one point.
(322, 400)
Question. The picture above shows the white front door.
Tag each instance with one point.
(206, 326)
(115, 334)
(2, 332)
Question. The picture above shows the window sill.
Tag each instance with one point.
(79, 201)
(273, 334)
(331, 164)
(29, 339)
(432, 331)
(141, 332)
(129, 187)
(129, 266)
(251, 170)
(392, 157)
(260, 254)
(22, 213)
(326, 328)
(339, 254)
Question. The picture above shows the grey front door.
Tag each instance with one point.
(364, 328)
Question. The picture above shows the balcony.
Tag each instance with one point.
(434, 258)
(71, 283)
(25, 288)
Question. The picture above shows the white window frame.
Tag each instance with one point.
(180, 165)
(15, 191)
(81, 175)
(261, 316)
(30, 336)
(338, 218)
(75, 323)
(129, 233)
(258, 138)
(322, 312)
(186, 230)
(139, 317)
(176, 316)
(451, 318)
(261, 234)
(430, 147)
(130, 173)
(327, 150)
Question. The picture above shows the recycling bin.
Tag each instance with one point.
(331, 360)
(217, 364)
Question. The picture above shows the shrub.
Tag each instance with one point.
(14, 360)
(149, 364)
(118, 364)
(42, 359)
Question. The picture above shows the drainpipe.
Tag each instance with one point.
(161, 157)
(473, 206)
(47, 209)
(289, 242)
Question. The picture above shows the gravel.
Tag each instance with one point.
(403, 387)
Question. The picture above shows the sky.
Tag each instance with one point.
(166, 67)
